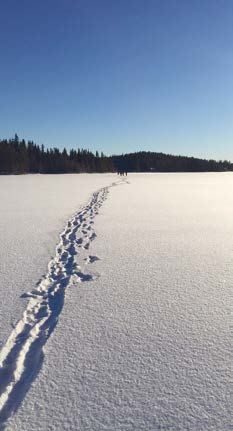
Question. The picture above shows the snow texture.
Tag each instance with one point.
(144, 343)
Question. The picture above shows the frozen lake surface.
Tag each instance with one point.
(143, 339)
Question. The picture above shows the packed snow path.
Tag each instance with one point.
(22, 355)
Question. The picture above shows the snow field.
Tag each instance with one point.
(34, 210)
(145, 345)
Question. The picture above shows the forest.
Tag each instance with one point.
(21, 157)
(146, 161)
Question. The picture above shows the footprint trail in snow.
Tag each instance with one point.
(22, 355)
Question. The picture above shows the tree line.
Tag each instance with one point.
(20, 157)
(146, 161)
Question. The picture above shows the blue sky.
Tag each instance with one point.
(119, 75)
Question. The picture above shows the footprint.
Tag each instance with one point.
(93, 236)
(91, 259)
(84, 277)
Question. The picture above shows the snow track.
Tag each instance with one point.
(22, 355)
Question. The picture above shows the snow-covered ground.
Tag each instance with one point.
(33, 211)
(145, 271)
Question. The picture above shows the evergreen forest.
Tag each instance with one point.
(21, 157)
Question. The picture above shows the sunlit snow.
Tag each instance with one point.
(144, 343)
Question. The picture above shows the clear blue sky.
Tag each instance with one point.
(119, 75)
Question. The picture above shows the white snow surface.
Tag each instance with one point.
(145, 343)
(33, 211)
